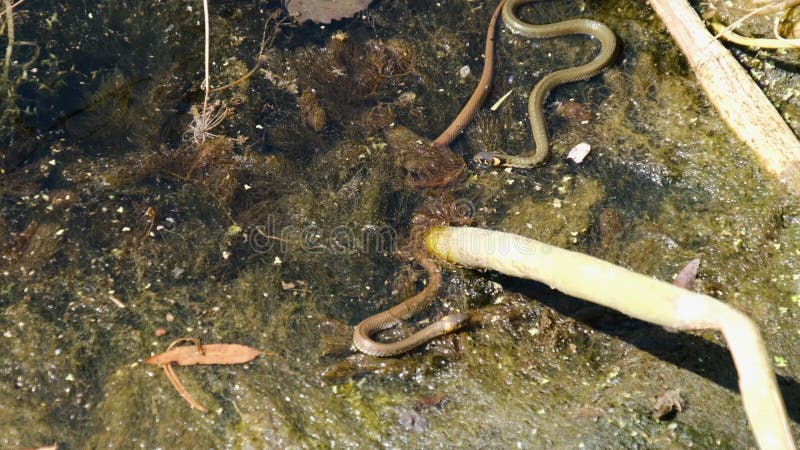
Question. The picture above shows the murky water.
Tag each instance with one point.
(123, 232)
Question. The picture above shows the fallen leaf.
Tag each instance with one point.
(324, 11)
(189, 355)
(686, 276)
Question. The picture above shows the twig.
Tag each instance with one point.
(636, 295)
(173, 377)
(207, 82)
(6, 11)
(730, 36)
(264, 45)
(10, 33)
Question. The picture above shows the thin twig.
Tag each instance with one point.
(207, 82)
(176, 383)
(6, 11)
(738, 39)
(10, 33)
(264, 45)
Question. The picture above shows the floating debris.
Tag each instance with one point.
(686, 276)
(579, 152)
(667, 404)
(502, 99)
(199, 354)
(324, 11)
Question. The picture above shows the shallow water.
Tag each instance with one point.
(122, 234)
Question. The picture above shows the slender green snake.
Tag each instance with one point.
(608, 46)
(386, 319)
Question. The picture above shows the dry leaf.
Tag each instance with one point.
(324, 11)
(686, 276)
(188, 355)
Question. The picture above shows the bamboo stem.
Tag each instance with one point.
(636, 295)
(737, 98)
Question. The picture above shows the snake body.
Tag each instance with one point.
(394, 315)
(481, 90)
(362, 335)
(608, 46)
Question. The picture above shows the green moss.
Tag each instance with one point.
(245, 242)
(562, 220)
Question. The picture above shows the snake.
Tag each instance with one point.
(608, 47)
(394, 315)
(362, 335)
(363, 332)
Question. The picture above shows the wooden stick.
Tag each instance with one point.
(739, 101)
(636, 295)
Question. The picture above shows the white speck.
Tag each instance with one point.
(556, 203)
(121, 210)
(464, 72)
(247, 187)
(579, 152)
(226, 255)
(125, 229)
(277, 261)
(52, 162)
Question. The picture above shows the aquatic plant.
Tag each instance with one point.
(205, 120)
(355, 72)
(15, 149)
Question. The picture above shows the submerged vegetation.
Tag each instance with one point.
(296, 221)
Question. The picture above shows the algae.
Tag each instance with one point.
(266, 234)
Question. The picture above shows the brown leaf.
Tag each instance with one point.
(324, 11)
(188, 355)
(686, 276)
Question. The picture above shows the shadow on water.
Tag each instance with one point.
(696, 354)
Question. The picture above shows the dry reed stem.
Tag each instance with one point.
(636, 295)
(737, 98)
(9, 11)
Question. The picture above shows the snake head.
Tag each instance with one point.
(454, 321)
(489, 159)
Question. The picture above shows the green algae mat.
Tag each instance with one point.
(126, 226)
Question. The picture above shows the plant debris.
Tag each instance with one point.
(199, 354)
(204, 354)
(324, 11)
